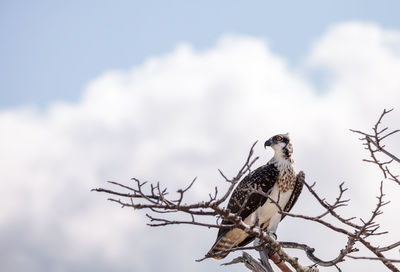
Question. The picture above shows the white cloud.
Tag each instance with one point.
(184, 115)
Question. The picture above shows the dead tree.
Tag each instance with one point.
(156, 199)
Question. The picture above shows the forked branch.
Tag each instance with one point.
(161, 207)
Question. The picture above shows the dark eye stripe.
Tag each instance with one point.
(281, 139)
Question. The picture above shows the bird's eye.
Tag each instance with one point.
(278, 138)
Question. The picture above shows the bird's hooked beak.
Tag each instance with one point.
(267, 143)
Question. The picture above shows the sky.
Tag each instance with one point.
(97, 91)
(64, 44)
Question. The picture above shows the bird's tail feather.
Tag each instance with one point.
(220, 249)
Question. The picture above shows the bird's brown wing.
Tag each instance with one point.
(242, 202)
(300, 179)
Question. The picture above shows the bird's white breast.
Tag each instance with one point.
(268, 214)
(269, 208)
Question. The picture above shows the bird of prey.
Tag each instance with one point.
(278, 180)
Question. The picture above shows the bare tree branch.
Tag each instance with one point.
(249, 262)
(373, 143)
(162, 207)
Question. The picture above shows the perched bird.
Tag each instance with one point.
(278, 180)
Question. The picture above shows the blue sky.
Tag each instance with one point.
(51, 49)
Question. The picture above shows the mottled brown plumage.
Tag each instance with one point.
(277, 179)
(298, 187)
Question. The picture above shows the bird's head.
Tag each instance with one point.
(281, 145)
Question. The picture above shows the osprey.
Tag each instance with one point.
(278, 180)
